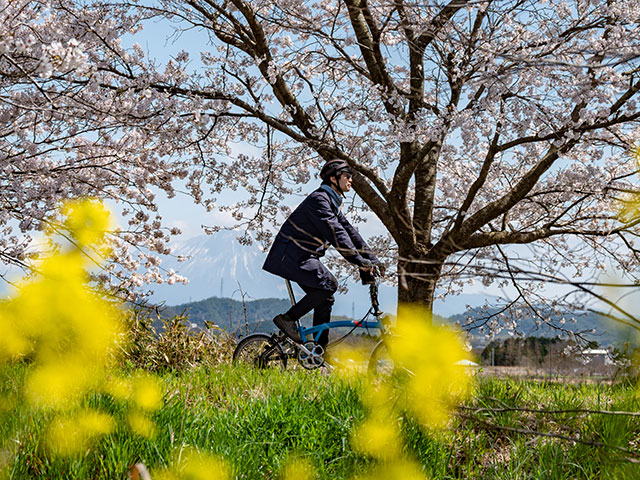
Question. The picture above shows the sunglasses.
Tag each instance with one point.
(346, 174)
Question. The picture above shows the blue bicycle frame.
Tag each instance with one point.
(316, 331)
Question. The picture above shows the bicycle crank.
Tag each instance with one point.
(310, 355)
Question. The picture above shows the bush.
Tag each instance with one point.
(159, 345)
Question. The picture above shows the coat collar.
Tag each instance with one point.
(333, 195)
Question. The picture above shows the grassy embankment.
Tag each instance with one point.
(256, 421)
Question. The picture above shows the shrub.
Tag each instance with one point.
(159, 345)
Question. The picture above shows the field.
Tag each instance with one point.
(258, 421)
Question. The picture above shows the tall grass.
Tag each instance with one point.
(68, 409)
(169, 344)
(258, 420)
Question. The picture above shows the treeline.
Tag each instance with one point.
(528, 351)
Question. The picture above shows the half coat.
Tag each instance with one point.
(305, 236)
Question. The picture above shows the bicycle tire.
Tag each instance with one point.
(380, 362)
(260, 351)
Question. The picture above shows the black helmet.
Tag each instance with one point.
(333, 168)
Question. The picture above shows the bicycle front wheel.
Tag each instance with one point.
(260, 351)
(380, 362)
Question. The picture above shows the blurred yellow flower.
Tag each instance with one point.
(349, 362)
(428, 354)
(8, 402)
(144, 393)
(297, 469)
(13, 341)
(629, 208)
(379, 395)
(422, 379)
(398, 470)
(87, 221)
(147, 394)
(118, 387)
(68, 436)
(68, 330)
(141, 424)
(59, 383)
(194, 465)
(378, 437)
(629, 205)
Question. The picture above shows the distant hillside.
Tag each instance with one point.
(232, 315)
(255, 316)
(219, 265)
(591, 326)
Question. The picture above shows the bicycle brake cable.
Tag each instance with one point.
(357, 324)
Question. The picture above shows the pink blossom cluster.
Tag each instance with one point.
(490, 139)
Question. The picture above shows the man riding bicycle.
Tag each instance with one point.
(304, 238)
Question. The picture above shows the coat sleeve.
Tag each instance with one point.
(359, 243)
(326, 221)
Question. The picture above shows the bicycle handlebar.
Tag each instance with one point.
(369, 276)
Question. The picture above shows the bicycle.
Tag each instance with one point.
(275, 350)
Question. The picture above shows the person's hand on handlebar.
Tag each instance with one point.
(369, 271)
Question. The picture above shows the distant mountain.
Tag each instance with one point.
(218, 265)
(233, 316)
(251, 316)
(591, 326)
(458, 304)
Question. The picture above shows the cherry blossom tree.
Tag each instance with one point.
(489, 138)
(60, 138)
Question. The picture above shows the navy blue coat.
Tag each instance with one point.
(305, 236)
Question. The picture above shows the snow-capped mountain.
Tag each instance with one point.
(219, 266)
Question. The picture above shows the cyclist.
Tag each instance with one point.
(304, 237)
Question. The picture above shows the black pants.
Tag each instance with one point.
(321, 302)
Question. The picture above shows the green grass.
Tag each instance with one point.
(257, 420)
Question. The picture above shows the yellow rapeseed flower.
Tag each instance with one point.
(68, 436)
(380, 395)
(629, 208)
(378, 437)
(59, 383)
(350, 362)
(119, 388)
(141, 424)
(423, 379)
(629, 205)
(297, 469)
(402, 469)
(429, 355)
(147, 394)
(194, 465)
(144, 394)
(68, 330)
(87, 221)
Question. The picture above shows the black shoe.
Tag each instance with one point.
(288, 327)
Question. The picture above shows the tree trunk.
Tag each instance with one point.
(417, 278)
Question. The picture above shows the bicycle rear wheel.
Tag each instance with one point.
(260, 351)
